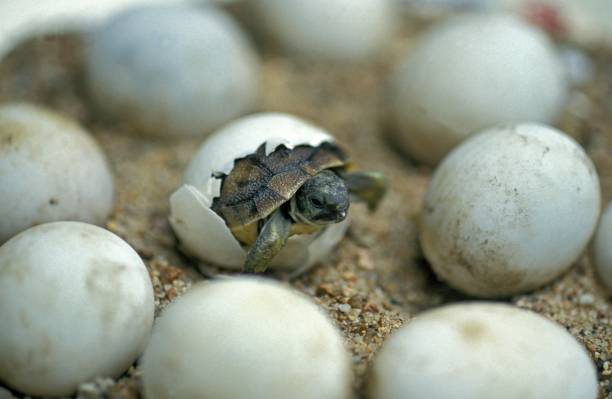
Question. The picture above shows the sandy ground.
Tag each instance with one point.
(376, 279)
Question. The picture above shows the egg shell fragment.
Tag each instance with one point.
(482, 351)
(509, 210)
(203, 233)
(172, 70)
(331, 30)
(51, 169)
(245, 338)
(469, 73)
(76, 303)
(603, 249)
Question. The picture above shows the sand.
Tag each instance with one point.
(377, 279)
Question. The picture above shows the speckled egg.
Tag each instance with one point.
(482, 351)
(172, 70)
(50, 170)
(203, 233)
(76, 303)
(245, 338)
(469, 73)
(509, 210)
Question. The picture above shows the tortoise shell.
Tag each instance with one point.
(259, 184)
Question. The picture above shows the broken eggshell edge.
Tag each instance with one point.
(203, 233)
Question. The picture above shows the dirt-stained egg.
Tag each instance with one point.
(603, 248)
(332, 30)
(509, 210)
(469, 73)
(204, 234)
(245, 337)
(76, 303)
(482, 351)
(51, 169)
(172, 70)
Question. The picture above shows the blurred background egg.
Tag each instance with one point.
(603, 248)
(172, 70)
(329, 30)
(585, 22)
(471, 72)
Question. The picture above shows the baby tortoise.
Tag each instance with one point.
(265, 199)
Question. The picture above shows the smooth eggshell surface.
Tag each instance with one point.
(603, 248)
(50, 170)
(172, 70)
(334, 30)
(509, 210)
(203, 233)
(76, 303)
(482, 351)
(469, 73)
(245, 338)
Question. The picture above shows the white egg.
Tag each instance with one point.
(509, 210)
(76, 302)
(603, 248)
(203, 233)
(50, 170)
(482, 351)
(469, 73)
(334, 30)
(172, 70)
(245, 338)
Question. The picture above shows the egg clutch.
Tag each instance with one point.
(498, 196)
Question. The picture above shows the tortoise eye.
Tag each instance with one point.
(317, 203)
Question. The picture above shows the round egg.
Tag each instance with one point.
(50, 170)
(603, 248)
(482, 351)
(203, 233)
(332, 30)
(76, 303)
(471, 72)
(509, 210)
(245, 338)
(172, 70)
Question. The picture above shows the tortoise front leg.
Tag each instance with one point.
(369, 187)
(271, 240)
